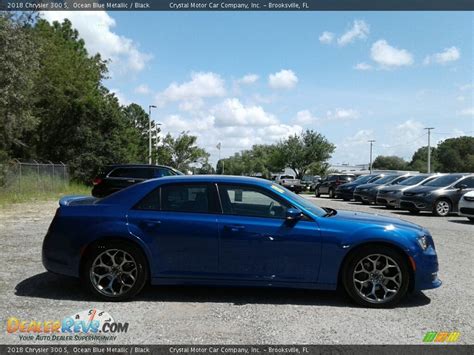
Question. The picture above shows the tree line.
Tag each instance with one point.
(54, 105)
(450, 156)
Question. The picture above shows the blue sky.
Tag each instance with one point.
(252, 78)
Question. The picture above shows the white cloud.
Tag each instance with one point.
(466, 87)
(448, 55)
(342, 114)
(388, 56)
(142, 89)
(362, 66)
(96, 28)
(232, 112)
(123, 100)
(284, 79)
(248, 79)
(305, 117)
(326, 37)
(201, 85)
(359, 30)
(467, 112)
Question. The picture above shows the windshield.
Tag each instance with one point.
(443, 181)
(413, 180)
(306, 204)
(363, 179)
(386, 179)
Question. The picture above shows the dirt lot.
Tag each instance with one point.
(164, 315)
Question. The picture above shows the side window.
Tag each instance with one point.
(150, 202)
(469, 182)
(185, 198)
(160, 172)
(137, 173)
(250, 201)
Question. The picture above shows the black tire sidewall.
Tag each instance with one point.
(360, 254)
(129, 247)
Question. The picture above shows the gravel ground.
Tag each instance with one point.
(203, 315)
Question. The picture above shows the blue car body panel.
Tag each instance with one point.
(220, 249)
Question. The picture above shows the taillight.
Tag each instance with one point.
(96, 181)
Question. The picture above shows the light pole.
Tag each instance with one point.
(370, 164)
(429, 148)
(149, 132)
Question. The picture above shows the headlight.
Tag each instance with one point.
(423, 242)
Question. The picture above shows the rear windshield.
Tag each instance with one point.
(443, 181)
(287, 177)
(413, 180)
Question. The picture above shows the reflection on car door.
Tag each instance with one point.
(458, 193)
(258, 244)
(182, 230)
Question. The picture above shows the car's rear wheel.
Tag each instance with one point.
(442, 208)
(115, 270)
(376, 276)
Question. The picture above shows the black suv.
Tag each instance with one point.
(329, 184)
(117, 177)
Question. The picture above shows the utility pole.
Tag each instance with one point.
(429, 148)
(218, 146)
(149, 132)
(371, 143)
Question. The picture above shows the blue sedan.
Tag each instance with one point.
(235, 231)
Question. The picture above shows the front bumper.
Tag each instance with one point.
(421, 203)
(426, 273)
(364, 196)
(390, 200)
(346, 194)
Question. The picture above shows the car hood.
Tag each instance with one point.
(367, 186)
(395, 188)
(420, 189)
(374, 219)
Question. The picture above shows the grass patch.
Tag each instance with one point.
(31, 191)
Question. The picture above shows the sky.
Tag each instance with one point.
(255, 78)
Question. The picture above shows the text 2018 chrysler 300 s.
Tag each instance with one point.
(226, 230)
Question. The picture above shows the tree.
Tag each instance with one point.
(456, 154)
(390, 163)
(419, 160)
(305, 152)
(181, 152)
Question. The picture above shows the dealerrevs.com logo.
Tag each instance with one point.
(92, 324)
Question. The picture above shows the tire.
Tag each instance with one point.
(442, 207)
(389, 207)
(130, 274)
(471, 219)
(346, 199)
(371, 293)
(414, 211)
(331, 193)
(317, 193)
(364, 202)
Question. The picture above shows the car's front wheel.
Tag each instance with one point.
(317, 193)
(115, 270)
(376, 276)
(442, 208)
(471, 219)
(331, 193)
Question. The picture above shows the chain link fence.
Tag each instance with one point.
(33, 176)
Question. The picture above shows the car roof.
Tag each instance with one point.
(213, 178)
(136, 166)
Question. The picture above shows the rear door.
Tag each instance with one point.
(258, 244)
(181, 230)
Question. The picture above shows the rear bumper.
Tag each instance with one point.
(58, 259)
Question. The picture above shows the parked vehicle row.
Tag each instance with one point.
(441, 194)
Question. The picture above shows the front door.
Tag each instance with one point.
(257, 243)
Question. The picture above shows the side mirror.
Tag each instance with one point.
(462, 186)
(293, 214)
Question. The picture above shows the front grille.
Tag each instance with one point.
(467, 210)
(404, 204)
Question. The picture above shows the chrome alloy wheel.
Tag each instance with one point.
(113, 272)
(443, 207)
(377, 278)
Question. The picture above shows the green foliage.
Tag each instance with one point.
(181, 152)
(456, 154)
(390, 163)
(419, 161)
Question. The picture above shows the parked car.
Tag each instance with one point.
(117, 177)
(329, 184)
(440, 196)
(309, 181)
(389, 196)
(466, 206)
(290, 182)
(346, 191)
(367, 193)
(234, 231)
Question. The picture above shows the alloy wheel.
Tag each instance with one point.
(443, 207)
(377, 278)
(113, 272)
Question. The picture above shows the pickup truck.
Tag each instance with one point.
(290, 182)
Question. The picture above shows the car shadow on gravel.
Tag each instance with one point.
(50, 286)
(461, 221)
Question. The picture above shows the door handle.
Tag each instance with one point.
(151, 223)
(234, 228)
